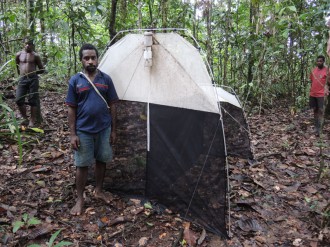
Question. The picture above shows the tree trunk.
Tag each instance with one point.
(194, 22)
(40, 9)
(30, 17)
(251, 45)
(73, 47)
(140, 13)
(150, 4)
(208, 12)
(164, 13)
(112, 19)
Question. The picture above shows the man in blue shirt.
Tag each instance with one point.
(92, 123)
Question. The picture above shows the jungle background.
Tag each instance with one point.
(264, 50)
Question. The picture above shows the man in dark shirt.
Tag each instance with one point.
(91, 123)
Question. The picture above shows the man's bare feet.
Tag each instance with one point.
(107, 198)
(77, 209)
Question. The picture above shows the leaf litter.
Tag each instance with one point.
(276, 199)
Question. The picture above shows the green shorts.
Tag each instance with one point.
(93, 147)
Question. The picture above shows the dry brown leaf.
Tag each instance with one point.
(105, 220)
(143, 241)
(310, 189)
(118, 220)
(188, 235)
(162, 235)
(202, 237)
(40, 230)
(249, 225)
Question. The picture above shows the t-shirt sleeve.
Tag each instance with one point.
(71, 97)
(112, 94)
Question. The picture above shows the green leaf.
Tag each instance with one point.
(41, 183)
(53, 237)
(25, 217)
(281, 12)
(33, 221)
(12, 18)
(148, 205)
(17, 225)
(63, 243)
(12, 128)
(37, 130)
(292, 8)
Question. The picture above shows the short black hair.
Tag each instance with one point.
(87, 47)
(321, 56)
(28, 40)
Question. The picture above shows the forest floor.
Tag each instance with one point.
(276, 200)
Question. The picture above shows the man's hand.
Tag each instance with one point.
(74, 141)
(113, 137)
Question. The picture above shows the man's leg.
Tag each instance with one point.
(100, 168)
(33, 118)
(319, 114)
(22, 110)
(81, 178)
(21, 92)
(103, 155)
(34, 100)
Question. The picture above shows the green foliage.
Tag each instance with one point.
(26, 221)
(52, 240)
(9, 126)
(258, 42)
(147, 205)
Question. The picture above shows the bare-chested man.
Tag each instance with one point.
(27, 62)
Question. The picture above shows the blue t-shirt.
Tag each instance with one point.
(93, 115)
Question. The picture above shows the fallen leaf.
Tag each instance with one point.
(297, 242)
(249, 225)
(202, 237)
(40, 230)
(313, 244)
(293, 187)
(118, 220)
(105, 219)
(143, 241)
(188, 235)
(310, 189)
(37, 130)
(162, 236)
(135, 201)
(260, 239)
(89, 210)
(41, 183)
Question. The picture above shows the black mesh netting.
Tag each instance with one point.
(236, 131)
(185, 166)
(127, 171)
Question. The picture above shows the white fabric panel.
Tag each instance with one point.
(225, 96)
(176, 78)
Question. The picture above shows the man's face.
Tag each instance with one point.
(89, 60)
(28, 47)
(319, 63)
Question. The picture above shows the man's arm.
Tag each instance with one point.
(39, 64)
(72, 117)
(17, 62)
(113, 112)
